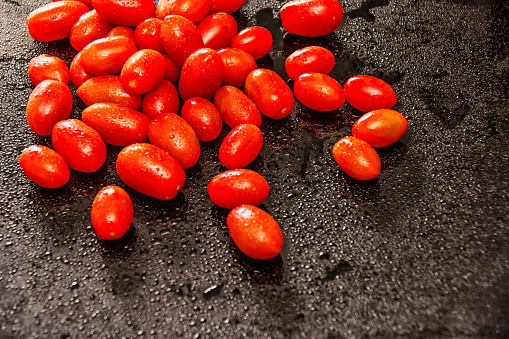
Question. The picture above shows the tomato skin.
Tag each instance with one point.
(117, 125)
(112, 213)
(367, 93)
(204, 118)
(217, 30)
(150, 170)
(356, 158)
(54, 21)
(79, 144)
(309, 59)
(125, 31)
(270, 93)
(180, 38)
(162, 99)
(380, 128)
(194, 10)
(143, 71)
(172, 72)
(240, 146)
(125, 13)
(226, 6)
(147, 35)
(255, 40)
(311, 18)
(108, 88)
(107, 55)
(44, 166)
(237, 64)
(78, 73)
(236, 108)
(232, 188)
(89, 27)
(255, 232)
(174, 135)
(49, 102)
(45, 67)
(319, 91)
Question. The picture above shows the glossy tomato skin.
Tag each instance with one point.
(270, 93)
(174, 135)
(217, 30)
(255, 40)
(112, 213)
(54, 21)
(117, 125)
(162, 99)
(150, 170)
(44, 166)
(240, 146)
(79, 144)
(124, 31)
(232, 188)
(204, 118)
(45, 67)
(319, 91)
(236, 108)
(49, 102)
(194, 10)
(180, 38)
(108, 88)
(255, 232)
(367, 93)
(356, 158)
(226, 6)
(125, 13)
(147, 35)
(309, 59)
(143, 71)
(107, 56)
(172, 72)
(380, 128)
(78, 73)
(88, 28)
(237, 64)
(311, 18)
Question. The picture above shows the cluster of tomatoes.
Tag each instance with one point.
(135, 61)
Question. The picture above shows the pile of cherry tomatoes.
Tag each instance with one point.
(135, 61)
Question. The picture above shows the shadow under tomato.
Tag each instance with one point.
(323, 124)
(360, 192)
(116, 252)
(263, 273)
(391, 156)
(292, 42)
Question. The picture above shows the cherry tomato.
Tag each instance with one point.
(236, 108)
(201, 75)
(54, 21)
(45, 67)
(125, 31)
(49, 102)
(88, 28)
(380, 128)
(79, 144)
(226, 6)
(255, 40)
(143, 71)
(309, 59)
(194, 10)
(108, 88)
(356, 158)
(162, 99)
(232, 188)
(78, 73)
(112, 213)
(270, 93)
(174, 135)
(367, 93)
(319, 91)
(107, 55)
(237, 64)
(203, 117)
(217, 30)
(240, 146)
(117, 125)
(255, 232)
(125, 13)
(172, 72)
(311, 18)
(147, 35)
(44, 166)
(180, 38)
(150, 170)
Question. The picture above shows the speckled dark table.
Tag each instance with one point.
(422, 251)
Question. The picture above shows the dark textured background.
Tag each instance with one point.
(422, 251)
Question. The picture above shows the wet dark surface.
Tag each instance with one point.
(421, 251)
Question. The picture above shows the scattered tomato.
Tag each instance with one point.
(108, 88)
(217, 30)
(162, 99)
(237, 64)
(309, 59)
(367, 93)
(143, 71)
(356, 158)
(147, 35)
(112, 213)
(319, 91)
(125, 13)
(125, 31)
(204, 118)
(180, 38)
(240, 146)
(88, 28)
(44, 166)
(311, 18)
(380, 128)
(45, 67)
(255, 40)
(107, 56)
(236, 108)
(194, 10)
(78, 73)
(172, 72)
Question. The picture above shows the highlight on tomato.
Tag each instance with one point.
(240, 146)
(112, 213)
(204, 118)
(319, 91)
(311, 18)
(380, 128)
(45, 66)
(44, 166)
(357, 158)
(367, 93)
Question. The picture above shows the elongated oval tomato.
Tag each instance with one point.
(232, 188)
(240, 146)
(311, 18)
(143, 71)
(204, 118)
(150, 170)
(112, 213)
(356, 158)
(44, 166)
(270, 93)
(237, 64)
(255, 232)
(162, 99)
(174, 135)
(108, 88)
(107, 55)
(180, 38)
(147, 35)
(226, 6)
(236, 108)
(79, 144)
(367, 93)
(217, 30)
(117, 125)
(309, 59)
(125, 13)
(78, 73)
(88, 28)
(49, 102)
(319, 91)
(194, 10)
(172, 72)
(255, 40)
(45, 67)
(380, 128)
(124, 31)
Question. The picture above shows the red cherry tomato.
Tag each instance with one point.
(143, 71)
(150, 170)
(380, 128)
(125, 13)
(236, 108)
(237, 64)
(180, 38)
(162, 99)
(112, 213)
(172, 72)
(232, 188)
(356, 158)
(173, 134)
(79, 144)
(255, 232)
(54, 21)
(78, 73)
(117, 125)
(240, 146)
(217, 30)
(255, 40)
(319, 91)
(44, 166)
(108, 88)
(367, 93)
(124, 31)
(49, 102)
(203, 117)
(227, 6)
(309, 59)
(88, 28)
(147, 35)
(270, 93)
(45, 67)
(311, 18)
(194, 10)
(107, 55)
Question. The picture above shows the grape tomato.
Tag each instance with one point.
(309, 59)
(380, 128)
(367, 93)
(240, 146)
(357, 158)
(204, 118)
(44, 166)
(112, 213)
(319, 91)
(311, 18)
